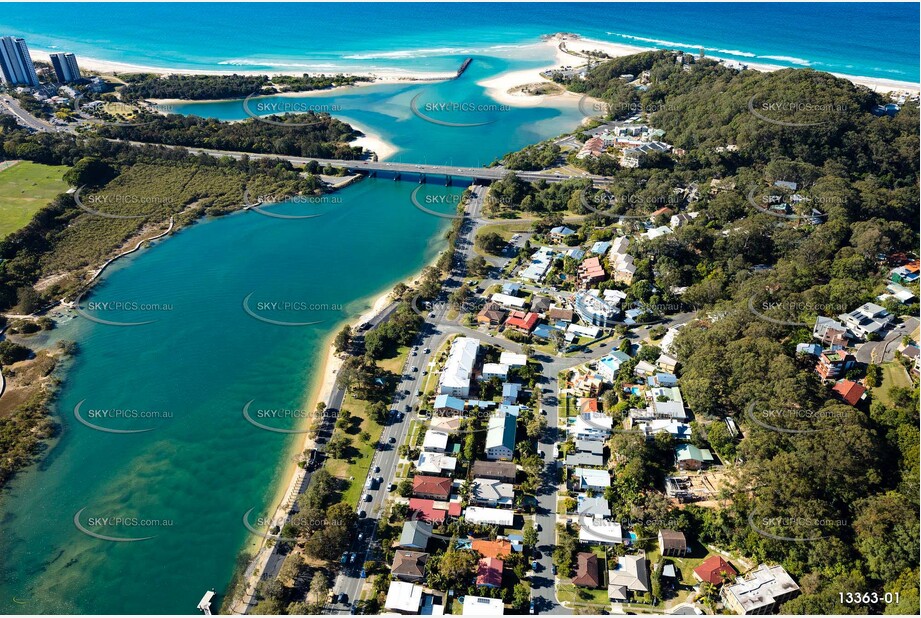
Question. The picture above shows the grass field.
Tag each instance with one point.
(25, 187)
(894, 374)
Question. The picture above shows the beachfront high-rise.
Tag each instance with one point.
(15, 62)
(65, 67)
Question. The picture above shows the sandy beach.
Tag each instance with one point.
(372, 141)
(498, 87)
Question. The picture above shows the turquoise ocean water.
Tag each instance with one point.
(203, 357)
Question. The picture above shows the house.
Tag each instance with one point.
(435, 442)
(667, 363)
(689, 457)
(482, 606)
(415, 535)
(624, 268)
(665, 211)
(598, 529)
(446, 405)
(584, 459)
(833, 364)
(494, 370)
(489, 572)
(498, 470)
(560, 233)
(597, 480)
(593, 147)
(432, 487)
(673, 410)
(714, 570)
(785, 184)
(898, 292)
(595, 311)
(511, 288)
(586, 570)
(409, 566)
(587, 385)
(578, 330)
(592, 426)
(492, 315)
(458, 370)
(682, 218)
(447, 424)
(849, 391)
(513, 360)
(521, 321)
(808, 349)
(609, 365)
(867, 319)
(908, 273)
(662, 380)
(500, 548)
(679, 431)
(436, 463)
(500, 437)
(644, 369)
(404, 597)
(761, 591)
(540, 304)
(593, 507)
(575, 253)
(595, 447)
(560, 314)
(657, 232)
(505, 300)
(830, 332)
(430, 511)
(588, 405)
(485, 515)
(490, 492)
(510, 392)
(601, 247)
(630, 577)
(672, 543)
(591, 272)
(539, 265)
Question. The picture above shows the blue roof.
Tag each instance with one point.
(510, 388)
(447, 401)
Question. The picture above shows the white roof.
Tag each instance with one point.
(404, 597)
(513, 360)
(457, 370)
(600, 530)
(435, 440)
(435, 462)
(584, 331)
(495, 369)
(482, 606)
(593, 478)
(484, 515)
(505, 299)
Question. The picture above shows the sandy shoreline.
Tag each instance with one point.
(498, 87)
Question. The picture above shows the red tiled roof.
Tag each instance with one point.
(522, 320)
(489, 572)
(710, 570)
(455, 509)
(588, 405)
(426, 511)
(432, 486)
(849, 391)
(492, 549)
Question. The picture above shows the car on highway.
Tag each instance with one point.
(553, 569)
(362, 514)
(392, 440)
(531, 610)
(368, 497)
(377, 469)
(415, 369)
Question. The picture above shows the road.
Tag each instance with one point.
(878, 352)
(12, 107)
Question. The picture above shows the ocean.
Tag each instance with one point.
(872, 39)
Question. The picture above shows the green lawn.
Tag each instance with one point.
(25, 187)
(894, 374)
(596, 596)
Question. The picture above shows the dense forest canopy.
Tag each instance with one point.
(206, 87)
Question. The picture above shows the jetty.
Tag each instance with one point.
(205, 604)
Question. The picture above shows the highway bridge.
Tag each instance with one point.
(414, 172)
